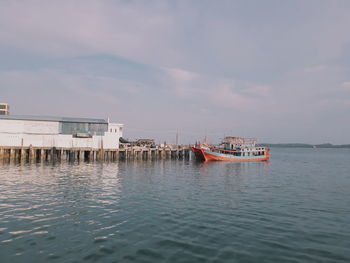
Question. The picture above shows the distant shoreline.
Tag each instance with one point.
(304, 145)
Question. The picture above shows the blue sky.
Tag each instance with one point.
(275, 70)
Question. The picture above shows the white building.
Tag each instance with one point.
(4, 109)
(59, 132)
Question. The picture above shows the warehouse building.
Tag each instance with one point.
(59, 132)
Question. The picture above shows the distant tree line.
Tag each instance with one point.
(304, 145)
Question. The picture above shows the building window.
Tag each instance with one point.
(87, 128)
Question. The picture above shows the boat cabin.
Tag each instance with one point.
(243, 146)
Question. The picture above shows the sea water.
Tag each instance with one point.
(294, 208)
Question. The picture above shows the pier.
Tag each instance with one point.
(49, 154)
(31, 139)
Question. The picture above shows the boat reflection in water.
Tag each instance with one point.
(232, 149)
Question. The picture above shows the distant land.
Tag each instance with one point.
(304, 145)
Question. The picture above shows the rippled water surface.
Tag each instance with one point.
(296, 208)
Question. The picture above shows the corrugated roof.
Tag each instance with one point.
(51, 118)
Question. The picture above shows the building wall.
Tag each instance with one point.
(46, 134)
(28, 127)
(115, 130)
(4, 109)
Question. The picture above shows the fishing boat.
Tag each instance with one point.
(232, 149)
(197, 150)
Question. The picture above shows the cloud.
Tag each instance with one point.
(130, 30)
(35, 85)
(345, 86)
(178, 35)
(56, 92)
(184, 63)
(212, 91)
(225, 96)
(182, 81)
(316, 69)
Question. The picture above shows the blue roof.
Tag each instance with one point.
(51, 118)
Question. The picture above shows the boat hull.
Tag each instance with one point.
(215, 156)
(198, 153)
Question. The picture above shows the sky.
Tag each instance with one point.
(276, 70)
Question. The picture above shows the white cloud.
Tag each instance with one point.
(316, 69)
(182, 81)
(225, 96)
(346, 85)
(218, 92)
(59, 91)
(171, 35)
(180, 75)
(258, 90)
(215, 57)
(68, 28)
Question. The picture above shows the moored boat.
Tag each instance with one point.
(197, 150)
(233, 149)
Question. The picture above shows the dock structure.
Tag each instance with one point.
(60, 132)
(48, 154)
(27, 138)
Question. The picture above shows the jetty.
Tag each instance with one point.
(53, 154)
(28, 138)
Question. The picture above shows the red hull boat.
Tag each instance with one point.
(198, 153)
(234, 150)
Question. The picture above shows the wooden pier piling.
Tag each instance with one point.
(39, 154)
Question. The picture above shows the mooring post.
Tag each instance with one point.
(54, 154)
(41, 153)
(16, 155)
(61, 155)
(2, 154)
(49, 155)
(99, 155)
(23, 155)
(12, 154)
(31, 154)
(35, 155)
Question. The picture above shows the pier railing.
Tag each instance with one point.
(260, 152)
